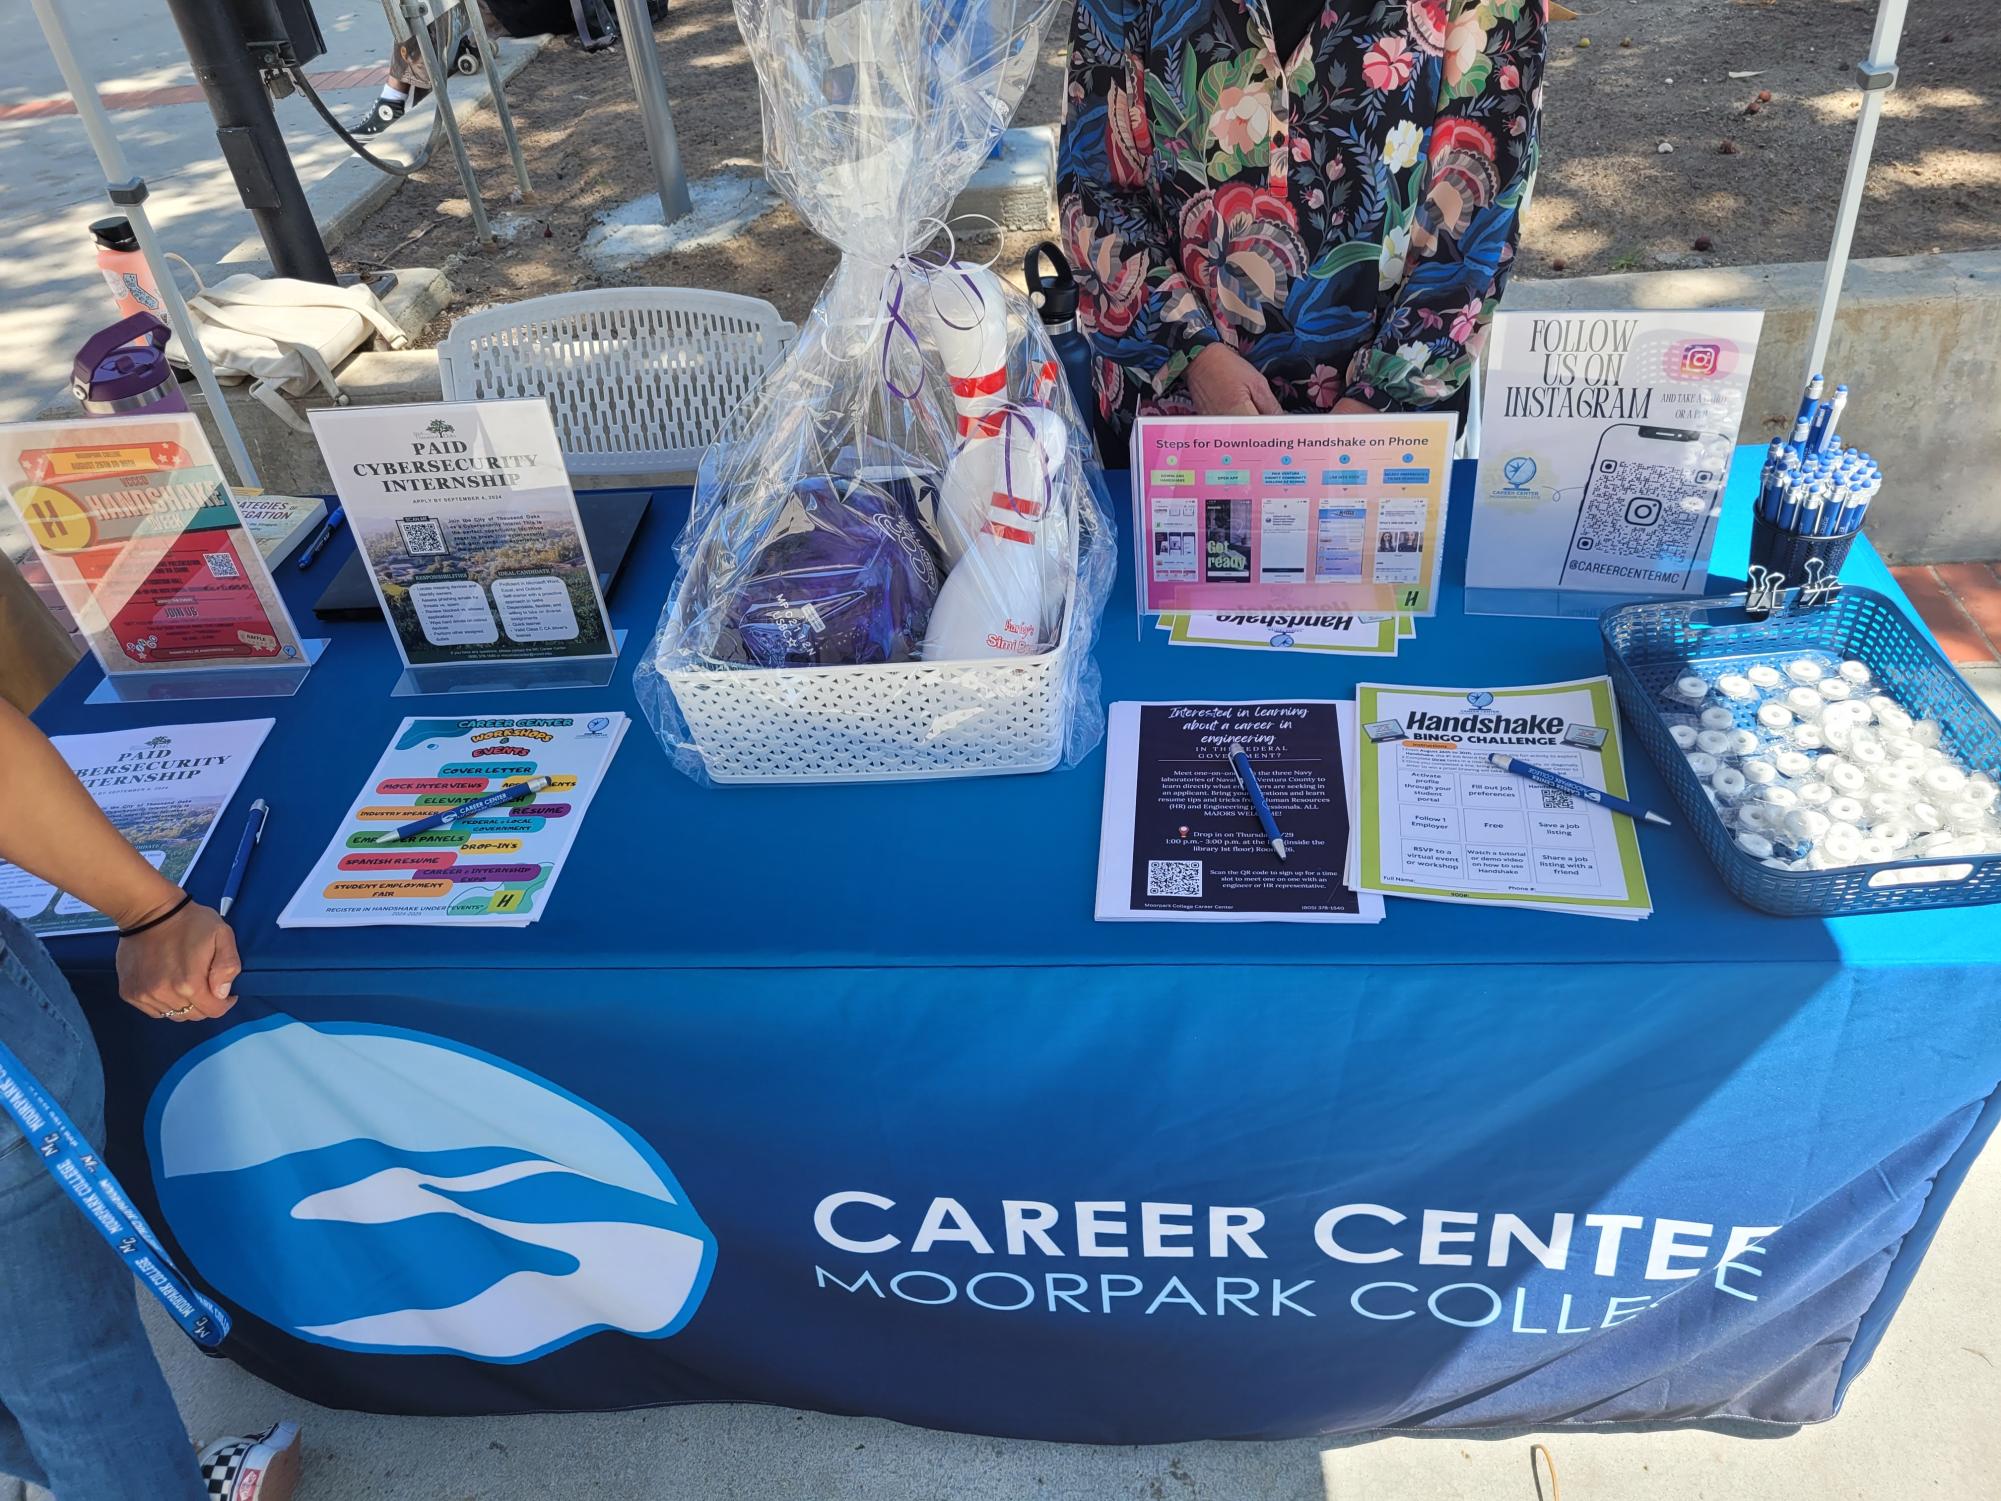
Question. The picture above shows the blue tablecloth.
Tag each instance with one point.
(838, 1097)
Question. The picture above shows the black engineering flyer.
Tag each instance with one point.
(1180, 839)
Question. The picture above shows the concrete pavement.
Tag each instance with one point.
(50, 181)
(1919, 1422)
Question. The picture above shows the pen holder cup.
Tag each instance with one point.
(1788, 558)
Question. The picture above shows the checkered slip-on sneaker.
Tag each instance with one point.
(264, 1467)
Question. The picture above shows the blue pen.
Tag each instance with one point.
(1247, 779)
(1789, 502)
(1858, 507)
(1558, 783)
(1809, 517)
(1810, 403)
(335, 518)
(463, 810)
(1779, 462)
(1768, 478)
(253, 831)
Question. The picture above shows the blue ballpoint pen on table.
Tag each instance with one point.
(1247, 779)
(1809, 405)
(253, 831)
(463, 810)
(335, 518)
(1558, 783)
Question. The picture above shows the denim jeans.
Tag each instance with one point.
(84, 1409)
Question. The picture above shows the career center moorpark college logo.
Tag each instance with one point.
(394, 1192)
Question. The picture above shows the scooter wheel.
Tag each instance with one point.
(467, 62)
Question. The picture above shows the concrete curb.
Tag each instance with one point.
(1017, 188)
(346, 196)
(1918, 339)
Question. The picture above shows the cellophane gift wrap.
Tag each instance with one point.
(911, 495)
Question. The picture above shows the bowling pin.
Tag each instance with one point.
(968, 326)
(992, 602)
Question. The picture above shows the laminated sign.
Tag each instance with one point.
(136, 529)
(1605, 448)
(465, 515)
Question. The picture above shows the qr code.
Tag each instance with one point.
(1554, 799)
(221, 565)
(1651, 511)
(421, 534)
(1174, 878)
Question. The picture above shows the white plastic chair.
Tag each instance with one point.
(639, 379)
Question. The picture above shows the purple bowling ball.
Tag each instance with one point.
(846, 576)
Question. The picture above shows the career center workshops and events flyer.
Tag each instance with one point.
(495, 869)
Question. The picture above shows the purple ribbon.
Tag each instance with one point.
(899, 321)
(1011, 414)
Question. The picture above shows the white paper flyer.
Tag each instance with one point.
(163, 786)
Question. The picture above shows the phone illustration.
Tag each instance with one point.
(1647, 509)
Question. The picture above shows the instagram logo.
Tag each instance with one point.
(1700, 360)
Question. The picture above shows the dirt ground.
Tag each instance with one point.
(581, 133)
(1608, 198)
(1626, 78)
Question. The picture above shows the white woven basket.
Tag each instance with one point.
(896, 722)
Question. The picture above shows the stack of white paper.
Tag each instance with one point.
(495, 869)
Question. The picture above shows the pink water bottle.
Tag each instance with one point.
(125, 270)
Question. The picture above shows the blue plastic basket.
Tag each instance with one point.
(1647, 646)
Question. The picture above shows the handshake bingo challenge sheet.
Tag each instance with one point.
(1437, 819)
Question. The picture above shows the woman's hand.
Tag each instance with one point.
(1351, 404)
(183, 969)
(1225, 384)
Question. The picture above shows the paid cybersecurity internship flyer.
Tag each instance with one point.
(1180, 840)
(465, 515)
(162, 786)
(1290, 513)
(1605, 447)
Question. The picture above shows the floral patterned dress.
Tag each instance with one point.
(1345, 218)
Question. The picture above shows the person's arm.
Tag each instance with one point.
(1136, 306)
(1464, 230)
(49, 826)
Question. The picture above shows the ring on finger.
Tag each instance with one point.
(178, 1012)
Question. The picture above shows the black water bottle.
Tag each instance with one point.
(1052, 288)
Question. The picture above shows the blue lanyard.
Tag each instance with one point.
(84, 1177)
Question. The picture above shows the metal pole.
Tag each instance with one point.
(417, 13)
(1877, 75)
(251, 141)
(498, 90)
(648, 82)
(128, 192)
